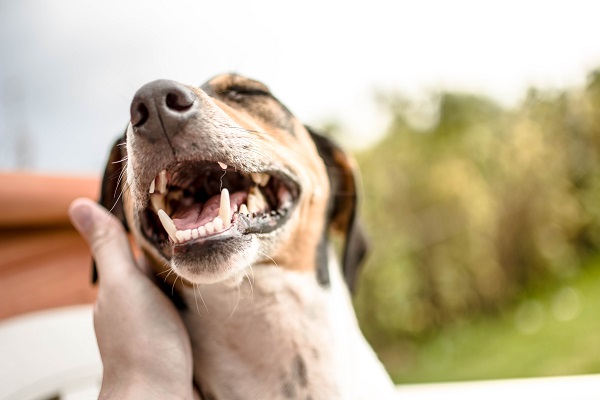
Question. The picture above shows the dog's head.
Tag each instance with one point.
(217, 178)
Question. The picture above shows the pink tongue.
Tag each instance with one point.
(196, 215)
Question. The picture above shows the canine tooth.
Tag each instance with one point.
(201, 231)
(161, 184)
(222, 165)
(158, 202)
(224, 208)
(195, 233)
(244, 209)
(168, 224)
(210, 228)
(218, 223)
(152, 185)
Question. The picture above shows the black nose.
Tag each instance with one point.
(161, 108)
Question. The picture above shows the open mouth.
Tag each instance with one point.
(193, 202)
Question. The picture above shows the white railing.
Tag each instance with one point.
(54, 353)
(582, 387)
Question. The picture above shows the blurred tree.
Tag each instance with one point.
(474, 209)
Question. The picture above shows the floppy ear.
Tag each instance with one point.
(342, 208)
(110, 191)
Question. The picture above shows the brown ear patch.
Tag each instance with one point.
(342, 207)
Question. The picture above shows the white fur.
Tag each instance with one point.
(246, 338)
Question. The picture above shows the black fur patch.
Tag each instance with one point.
(322, 261)
(299, 371)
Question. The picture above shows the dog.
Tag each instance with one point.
(234, 203)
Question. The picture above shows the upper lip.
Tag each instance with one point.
(183, 198)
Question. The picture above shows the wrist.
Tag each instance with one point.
(134, 388)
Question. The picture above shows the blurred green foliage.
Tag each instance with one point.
(472, 206)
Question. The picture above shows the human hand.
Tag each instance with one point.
(143, 343)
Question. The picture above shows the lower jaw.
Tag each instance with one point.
(241, 228)
(211, 260)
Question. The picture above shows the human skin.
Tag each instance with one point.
(143, 343)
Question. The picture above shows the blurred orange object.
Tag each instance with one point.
(44, 263)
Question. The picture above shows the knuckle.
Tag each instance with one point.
(103, 237)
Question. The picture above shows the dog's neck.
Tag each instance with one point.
(272, 333)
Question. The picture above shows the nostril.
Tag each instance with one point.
(161, 108)
(180, 100)
(139, 114)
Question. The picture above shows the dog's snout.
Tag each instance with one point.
(162, 108)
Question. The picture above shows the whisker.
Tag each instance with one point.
(196, 300)
(201, 298)
(269, 257)
(250, 282)
(118, 198)
(168, 270)
(167, 277)
(173, 287)
(121, 175)
(236, 303)
(121, 160)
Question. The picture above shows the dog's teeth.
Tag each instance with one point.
(222, 165)
(253, 204)
(195, 233)
(218, 223)
(264, 180)
(225, 208)
(187, 235)
(256, 200)
(252, 208)
(256, 178)
(157, 201)
(260, 179)
(169, 225)
(201, 231)
(244, 209)
(210, 228)
(152, 185)
(180, 236)
(161, 184)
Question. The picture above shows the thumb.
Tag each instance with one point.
(106, 238)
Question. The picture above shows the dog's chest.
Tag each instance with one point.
(269, 340)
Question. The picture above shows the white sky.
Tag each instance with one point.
(69, 68)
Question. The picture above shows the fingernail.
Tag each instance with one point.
(81, 216)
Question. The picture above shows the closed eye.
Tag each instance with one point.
(237, 92)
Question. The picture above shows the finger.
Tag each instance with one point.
(106, 238)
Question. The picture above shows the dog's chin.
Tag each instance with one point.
(212, 261)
